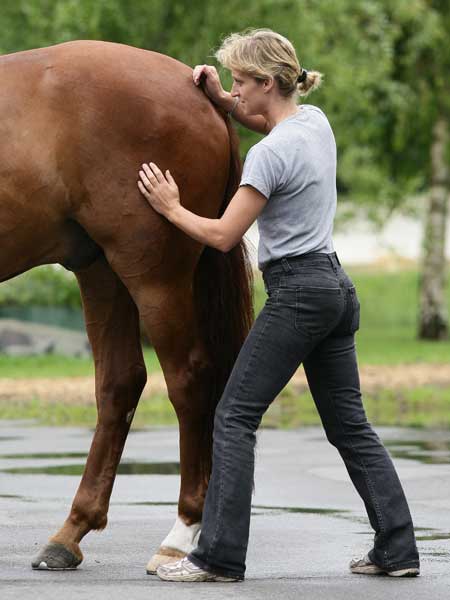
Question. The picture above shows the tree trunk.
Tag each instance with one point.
(433, 318)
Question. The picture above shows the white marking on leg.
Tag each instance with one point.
(182, 537)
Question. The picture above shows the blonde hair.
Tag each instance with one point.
(263, 53)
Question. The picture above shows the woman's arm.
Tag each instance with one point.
(214, 90)
(254, 122)
(224, 233)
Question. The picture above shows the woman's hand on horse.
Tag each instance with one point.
(160, 191)
(212, 86)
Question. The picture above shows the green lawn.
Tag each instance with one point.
(389, 313)
(387, 334)
(58, 366)
(418, 407)
(388, 318)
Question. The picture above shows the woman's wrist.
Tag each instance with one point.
(173, 214)
(227, 102)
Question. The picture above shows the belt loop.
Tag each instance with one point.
(337, 259)
(332, 258)
(286, 266)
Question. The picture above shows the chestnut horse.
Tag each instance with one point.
(77, 120)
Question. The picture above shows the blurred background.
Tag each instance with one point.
(386, 94)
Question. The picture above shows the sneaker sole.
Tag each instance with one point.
(368, 570)
(374, 570)
(197, 578)
(412, 572)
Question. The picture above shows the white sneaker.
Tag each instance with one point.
(185, 570)
(364, 566)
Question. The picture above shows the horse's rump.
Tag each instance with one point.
(77, 120)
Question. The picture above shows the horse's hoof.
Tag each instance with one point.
(56, 557)
(163, 559)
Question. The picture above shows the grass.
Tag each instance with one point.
(389, 303)
(156, 410)
(387, 337)
(49, 366)
(418, 407)
(389, 316)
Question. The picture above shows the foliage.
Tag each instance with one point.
(385, 71)
(43, 286)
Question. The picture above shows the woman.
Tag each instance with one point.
(310, 316)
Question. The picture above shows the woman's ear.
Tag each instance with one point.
(268, 84)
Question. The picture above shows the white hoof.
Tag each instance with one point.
(178, 543)
(161, 559)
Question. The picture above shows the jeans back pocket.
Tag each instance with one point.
(356, 310)
(318, 310)
(349, 323)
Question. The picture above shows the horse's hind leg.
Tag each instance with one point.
(170, 321)
(113, 327)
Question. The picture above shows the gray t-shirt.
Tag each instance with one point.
(294, 167)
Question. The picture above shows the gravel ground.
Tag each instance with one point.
(80, 390)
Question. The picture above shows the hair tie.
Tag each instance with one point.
(301, 78)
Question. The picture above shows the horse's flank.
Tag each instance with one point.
(76, 122)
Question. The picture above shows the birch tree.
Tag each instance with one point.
(422, 65)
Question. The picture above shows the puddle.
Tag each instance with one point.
(125, 468)
(147, 503)
(431, 452)
(258, 507)
(46, 455)
(433, 537)
(300, 509)
(436, 554)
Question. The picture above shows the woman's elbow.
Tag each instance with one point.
(224, 239)
(226, 244)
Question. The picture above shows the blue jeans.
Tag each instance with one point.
(310, 317)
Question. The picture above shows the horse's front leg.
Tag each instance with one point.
(113, 327)
(170, 321)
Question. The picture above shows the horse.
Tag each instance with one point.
(77, 120)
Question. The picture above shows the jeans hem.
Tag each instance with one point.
(396, 566)
(215, 570)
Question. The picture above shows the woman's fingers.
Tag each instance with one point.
(200, 70)
(153, 174)
(157, 173)
(152, 177)
(143, 190)
(161, 193)
(196, 73)
(145, 180)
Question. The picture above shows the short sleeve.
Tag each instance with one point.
(262, 170)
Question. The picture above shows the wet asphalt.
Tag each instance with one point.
(307, 522)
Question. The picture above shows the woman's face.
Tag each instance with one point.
(251, 92)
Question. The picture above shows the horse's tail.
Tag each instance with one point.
(223, 295)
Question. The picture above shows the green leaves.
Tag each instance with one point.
(44, 286)
(385, 63)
